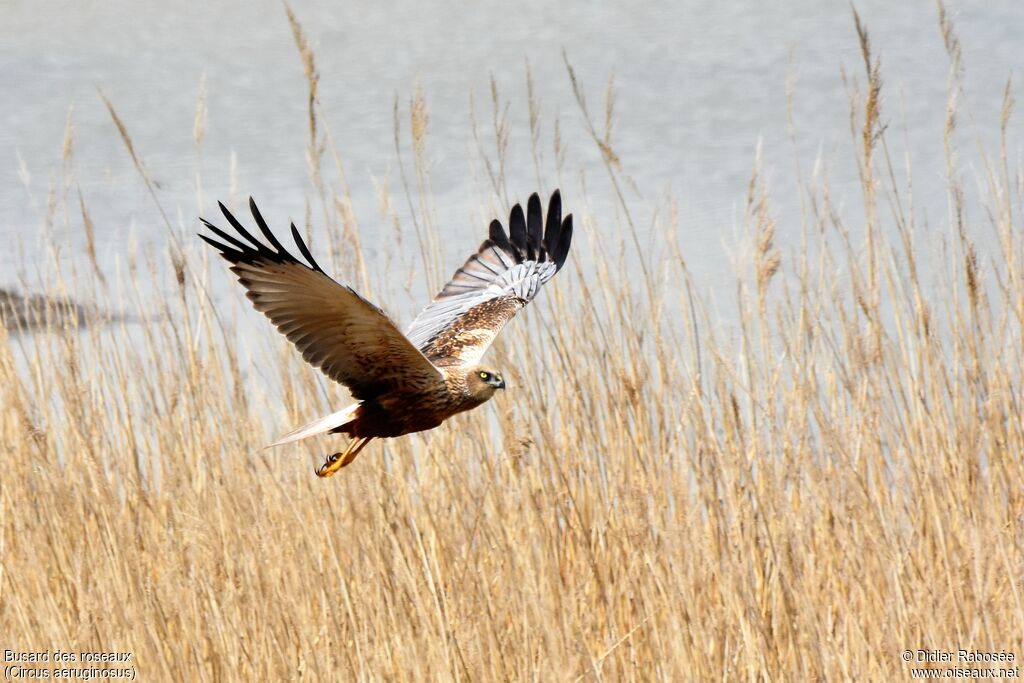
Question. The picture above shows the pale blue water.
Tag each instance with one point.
(698, 84)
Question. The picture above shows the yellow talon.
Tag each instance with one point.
(336, 461)
(330, 465)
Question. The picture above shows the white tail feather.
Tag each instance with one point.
(324, 424)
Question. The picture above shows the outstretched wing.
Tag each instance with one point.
(349, 339)
(502, 277)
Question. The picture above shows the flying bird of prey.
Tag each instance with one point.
(402, 383)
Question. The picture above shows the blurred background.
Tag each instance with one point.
(697, 85)
(785, 449)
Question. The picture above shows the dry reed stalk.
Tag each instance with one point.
(798, 503)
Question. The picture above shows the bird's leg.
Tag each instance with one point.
(336, 461)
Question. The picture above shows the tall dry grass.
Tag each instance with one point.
(836, 480)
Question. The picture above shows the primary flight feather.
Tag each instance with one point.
(408, 382)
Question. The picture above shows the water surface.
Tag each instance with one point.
(698, 84)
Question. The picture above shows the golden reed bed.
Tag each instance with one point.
(830, 485)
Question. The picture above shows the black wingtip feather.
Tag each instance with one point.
(256, 244)
(301, 244)
(237, 244)
(531, 236)
(534, 228)
(497, 235)
(517, 229)
(264, 228)
(564, 241)
(236, 251)
(232, 255)
(554, 222)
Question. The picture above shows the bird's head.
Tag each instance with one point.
(484, 382)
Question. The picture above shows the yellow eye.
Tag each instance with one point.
(485, 376)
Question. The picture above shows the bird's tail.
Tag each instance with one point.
(324, 424)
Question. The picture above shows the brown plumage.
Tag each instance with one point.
(409, 382)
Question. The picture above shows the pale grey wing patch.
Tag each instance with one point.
(511, 265)
(467, 339)
(522, 281)
(480, 270)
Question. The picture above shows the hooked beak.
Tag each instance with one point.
(501, 383)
